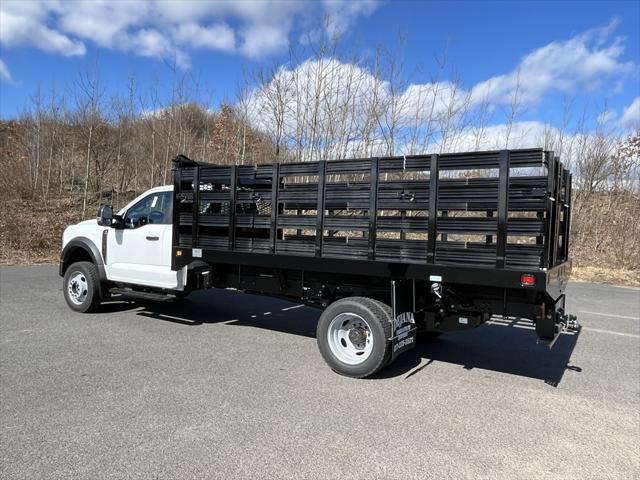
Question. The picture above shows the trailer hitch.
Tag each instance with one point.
(564, 323)
(572, 325)
(567, 323)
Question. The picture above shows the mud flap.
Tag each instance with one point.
(403, 332)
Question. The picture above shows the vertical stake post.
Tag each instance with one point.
(550, 211)
(503, 209)
(556, 218)
(322, 168)
(373, 208)
(275, 187)
(567, 216)
(433, 210)
(196, 206)
(233, 181)
(175, 220)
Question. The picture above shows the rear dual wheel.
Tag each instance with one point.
(353, 336)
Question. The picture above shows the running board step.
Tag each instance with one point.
(157, 297)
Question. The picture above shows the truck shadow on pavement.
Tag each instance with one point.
(505, 347)
(494, 348)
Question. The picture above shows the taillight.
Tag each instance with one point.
(527, 280)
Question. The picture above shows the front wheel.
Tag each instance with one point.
(80, 287)
(353, 336)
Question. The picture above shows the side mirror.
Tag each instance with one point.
(117, 222)
(105, 215)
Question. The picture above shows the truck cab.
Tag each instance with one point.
(131, 249)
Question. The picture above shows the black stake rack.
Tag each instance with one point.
(504, 209)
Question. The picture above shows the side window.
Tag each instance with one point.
(155, 208)
(167, 208)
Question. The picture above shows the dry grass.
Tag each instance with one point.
(31, 231)
(613, 276)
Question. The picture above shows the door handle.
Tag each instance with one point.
(153, 239)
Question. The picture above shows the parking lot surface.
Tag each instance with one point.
(230, 385)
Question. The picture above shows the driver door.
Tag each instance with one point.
(141, 252)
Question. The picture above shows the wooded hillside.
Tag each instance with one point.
(69, 152)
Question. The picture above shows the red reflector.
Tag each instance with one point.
(527, 279)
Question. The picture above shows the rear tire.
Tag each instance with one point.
(353, 336)
(81, 287)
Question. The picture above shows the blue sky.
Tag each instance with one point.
(586, 51)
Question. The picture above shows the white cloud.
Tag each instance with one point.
(432, 100)
(578, 63)
(24, 23)
(526, 134)
(5, 75)
(342, 13)
(583, 62)
(631, 115)
(164, 28)
(215, 37)
(262, 40)
(150, 43)
(105, 23)
(317, 101)
(606, 117)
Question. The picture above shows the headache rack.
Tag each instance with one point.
(505, 210)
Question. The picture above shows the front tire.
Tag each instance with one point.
(81, 287)
(353, 336)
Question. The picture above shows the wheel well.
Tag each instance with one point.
(78, 254)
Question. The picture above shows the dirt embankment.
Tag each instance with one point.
(31, 231)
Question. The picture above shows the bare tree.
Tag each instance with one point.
(89, 97)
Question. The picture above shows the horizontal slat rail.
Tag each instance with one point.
(486, 212)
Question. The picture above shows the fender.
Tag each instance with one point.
(89, 247)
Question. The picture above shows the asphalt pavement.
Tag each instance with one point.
(230, 385)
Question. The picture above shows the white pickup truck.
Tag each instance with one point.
(360, 239)
(135, 258)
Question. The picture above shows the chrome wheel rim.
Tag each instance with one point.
(350, 338)
(77, 288)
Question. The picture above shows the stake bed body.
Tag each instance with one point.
(491, 229)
